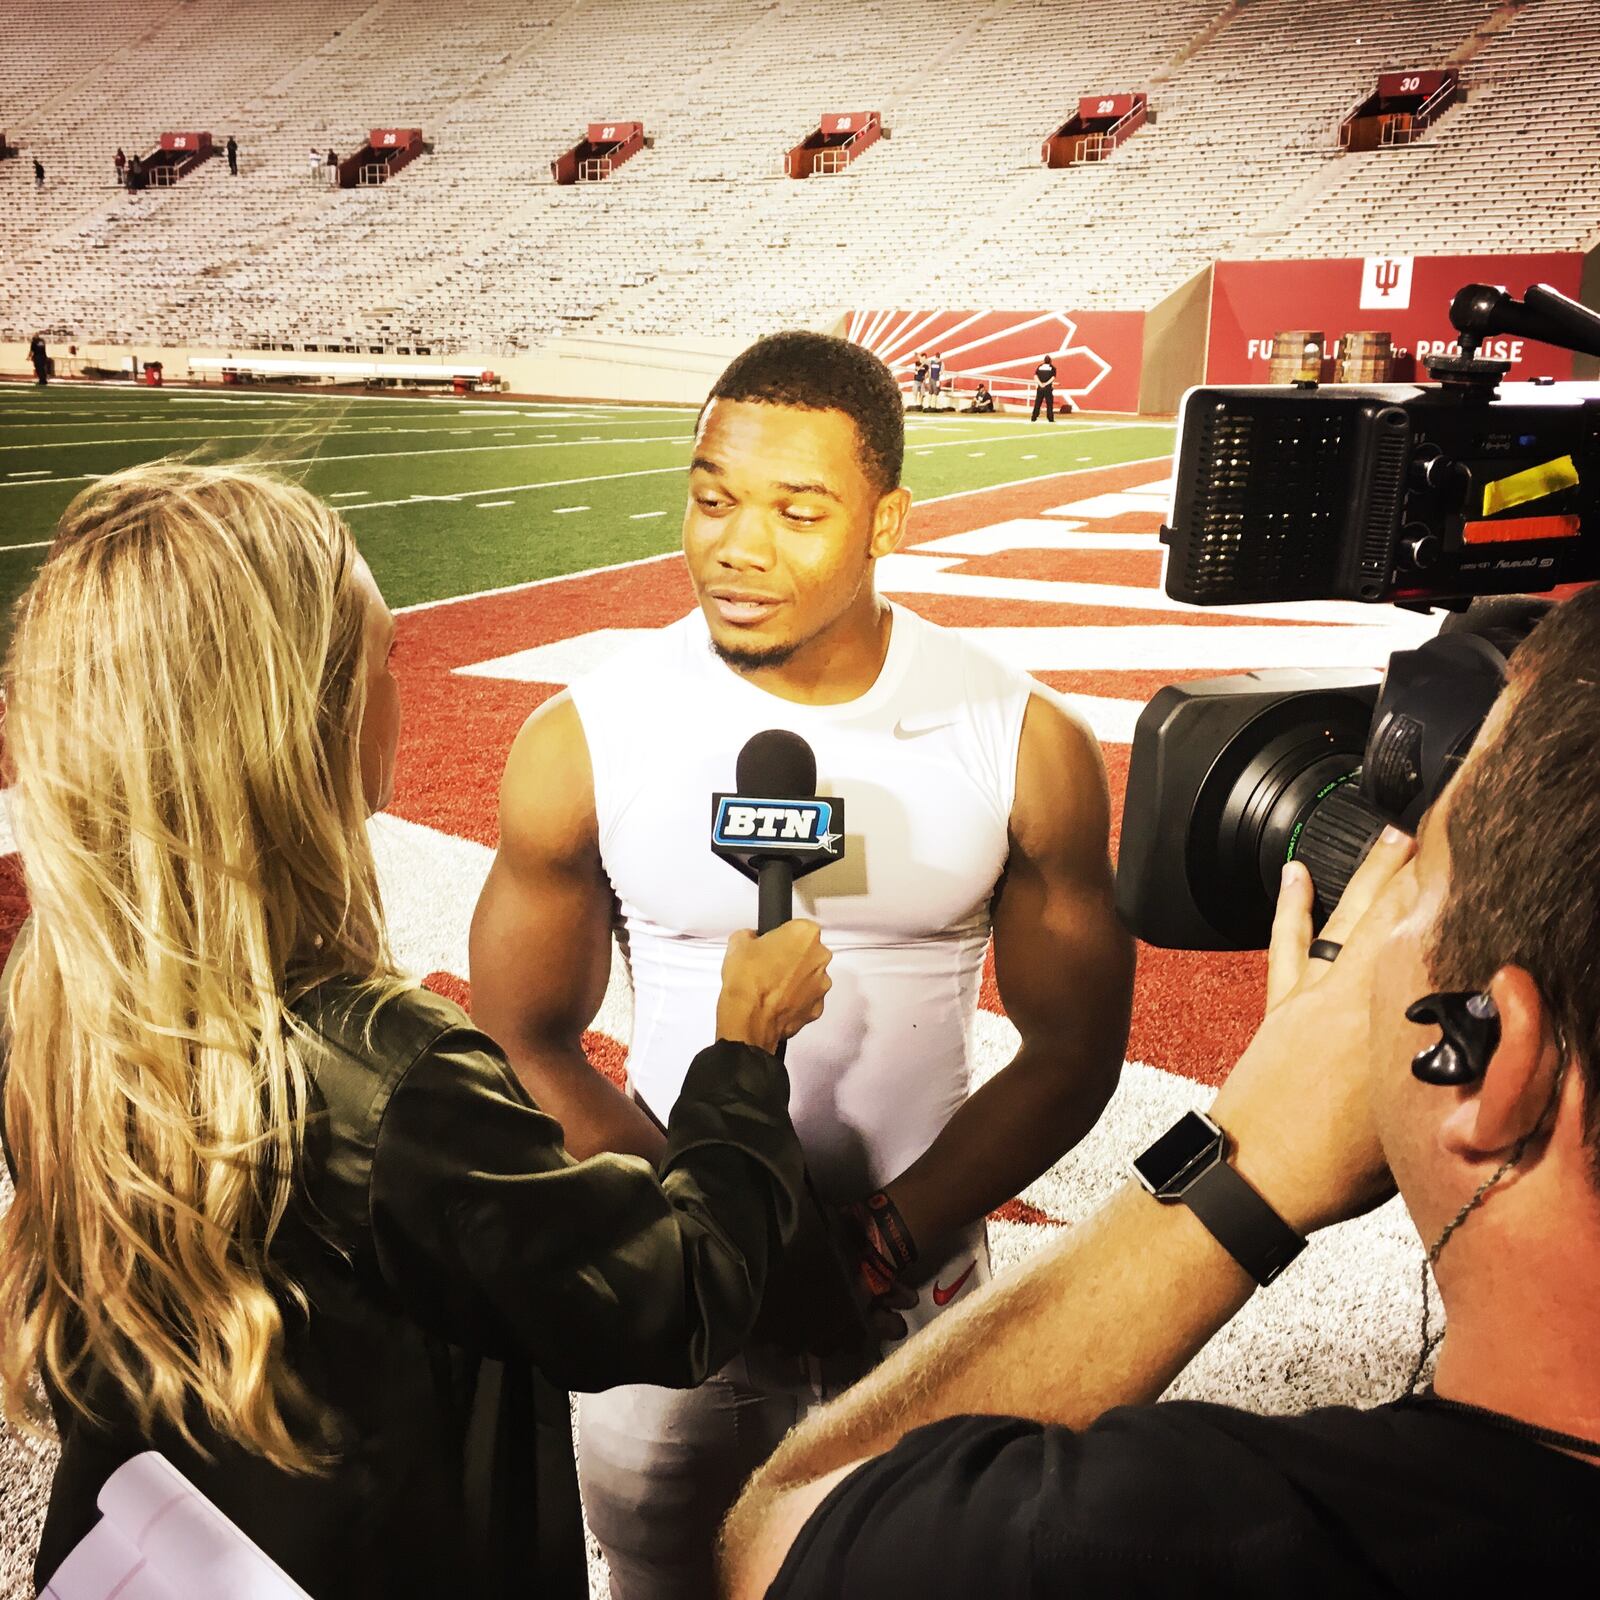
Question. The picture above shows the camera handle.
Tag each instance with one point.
(1480, 311)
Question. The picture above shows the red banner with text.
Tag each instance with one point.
(1097, 353)
(1407, 297)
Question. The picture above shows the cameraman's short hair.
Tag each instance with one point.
(816, 372)
(1524, 832)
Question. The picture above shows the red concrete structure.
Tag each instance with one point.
(1102, 123)
(1407, 297)
(178, 155)
(1400, 109)
(385, 153)
(840, 138)
(603, 148)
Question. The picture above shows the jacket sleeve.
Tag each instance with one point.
(600, 1272)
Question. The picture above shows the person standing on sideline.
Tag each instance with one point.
(943, 755)
(935, 374)
(233, 156)
(333, 169)
(919, 379)
(38, 173)
(40, 357)
(1044, 393)
(121, 165)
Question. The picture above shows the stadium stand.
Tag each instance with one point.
(478, 249)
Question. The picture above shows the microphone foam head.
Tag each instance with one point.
(778, 765)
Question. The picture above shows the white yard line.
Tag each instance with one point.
(644, 516)
(364, 455)
(485, 505)
(514, 488)
(563, 511)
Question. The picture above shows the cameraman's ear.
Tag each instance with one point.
(1506, 1106)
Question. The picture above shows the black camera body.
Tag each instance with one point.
(1389, 493)
(1419, 496)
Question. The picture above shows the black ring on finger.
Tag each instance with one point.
(1324, 949)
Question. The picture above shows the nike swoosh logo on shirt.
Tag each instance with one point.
(943, 1296)
(909, 728)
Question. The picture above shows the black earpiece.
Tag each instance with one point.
(1471, 1027)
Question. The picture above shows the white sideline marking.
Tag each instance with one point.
(36, 472)
(349, 494)
(562, 511)
(1071, 649)
(485, 505)
(1030, 458)
(564, 660)
(1032, 533)
(918, 574)
(1103, 506)
(38, 544)
(644, 516)
(515, 488)
(669, 555)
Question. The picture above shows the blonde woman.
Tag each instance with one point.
(280, 1214)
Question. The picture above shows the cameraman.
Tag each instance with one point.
(1025, 1420)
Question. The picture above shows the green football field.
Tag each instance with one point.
(454, 496)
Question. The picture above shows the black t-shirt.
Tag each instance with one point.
(1184, 1500)
(1045, 373)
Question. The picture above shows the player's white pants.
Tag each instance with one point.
(661, 1468)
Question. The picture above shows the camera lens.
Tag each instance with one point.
(1265, 792)
(1334, 840)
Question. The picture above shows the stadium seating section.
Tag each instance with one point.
(478, 249)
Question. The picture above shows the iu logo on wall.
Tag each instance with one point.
(1097, 353)
(1386, 283)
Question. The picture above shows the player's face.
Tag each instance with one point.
(782, 528)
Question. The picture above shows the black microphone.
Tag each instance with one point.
(777, 827)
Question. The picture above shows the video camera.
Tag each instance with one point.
(1419, 495)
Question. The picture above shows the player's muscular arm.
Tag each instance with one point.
(1065, 970)
(541, 937)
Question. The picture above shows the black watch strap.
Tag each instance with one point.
(1242, 1222)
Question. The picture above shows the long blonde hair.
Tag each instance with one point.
(185, 691)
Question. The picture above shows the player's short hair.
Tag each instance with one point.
(1524, 831)
(816, 372)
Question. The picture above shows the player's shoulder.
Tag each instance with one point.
(961, 664)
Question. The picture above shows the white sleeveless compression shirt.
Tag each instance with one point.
(925, 762)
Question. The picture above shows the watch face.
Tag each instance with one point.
(1176, 1151)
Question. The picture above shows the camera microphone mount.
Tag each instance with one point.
(1480, 310)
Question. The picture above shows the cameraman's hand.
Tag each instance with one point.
(772, 986)
(1296, 1104)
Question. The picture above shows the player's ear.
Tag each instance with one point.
(889, 523)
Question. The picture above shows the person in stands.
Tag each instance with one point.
(332, 164)
(233, 156)
(38, 173)
(121, 165)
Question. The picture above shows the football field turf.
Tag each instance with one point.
(452, 496)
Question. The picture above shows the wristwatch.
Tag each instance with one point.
(1189, 1163)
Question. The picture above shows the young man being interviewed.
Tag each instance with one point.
(974, 803)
